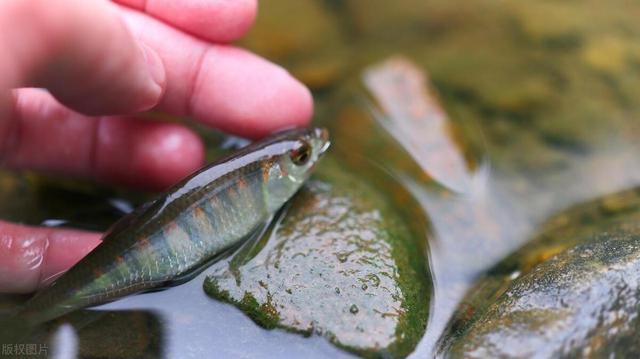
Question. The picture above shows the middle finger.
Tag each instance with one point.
(222, 86)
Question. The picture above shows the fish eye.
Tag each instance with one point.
(301, 154)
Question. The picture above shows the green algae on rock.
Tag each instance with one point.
(572, 291)
(340, 264)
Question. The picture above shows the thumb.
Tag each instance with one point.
(32, 256)
(81, 52)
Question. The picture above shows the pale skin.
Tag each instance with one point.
(102, 64)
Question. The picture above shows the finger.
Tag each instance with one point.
(223, 86)
(145, 154)
(32, 256)
(82, 52)
(214, 20)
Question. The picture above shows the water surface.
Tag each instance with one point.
(535, 111)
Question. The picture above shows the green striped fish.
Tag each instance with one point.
(173, 237)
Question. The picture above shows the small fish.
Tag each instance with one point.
(172, 238)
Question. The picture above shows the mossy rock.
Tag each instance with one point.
(573, 291)
(341, 263)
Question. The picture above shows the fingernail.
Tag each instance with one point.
(154, 64)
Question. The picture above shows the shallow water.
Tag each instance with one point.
(537, 110)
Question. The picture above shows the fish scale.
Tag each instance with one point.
(173, 237)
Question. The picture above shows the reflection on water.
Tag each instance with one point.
(537, 112)
(109, 334)
(412, 115)
(194, 326)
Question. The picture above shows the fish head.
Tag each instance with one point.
(289, 169)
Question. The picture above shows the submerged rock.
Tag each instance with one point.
(308, 43)
(583, 302)
(341, 263)
(573, 291)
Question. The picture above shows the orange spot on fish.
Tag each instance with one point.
(199, 214)
(171, 226)
(213, 201)
(232, 193)
(143, 243)
(242, 184)
(265, 171)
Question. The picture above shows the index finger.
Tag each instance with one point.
(221, 85)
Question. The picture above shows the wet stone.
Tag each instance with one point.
(583, 302)
(362, 283)
(574, 291)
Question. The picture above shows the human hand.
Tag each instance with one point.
(102, 63)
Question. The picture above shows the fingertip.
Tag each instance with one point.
(286, 103)
(299, 103)
(291, 105)
(240, 18)
(167, 154)
(244, 94)
(31, 256)
(145, 154)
